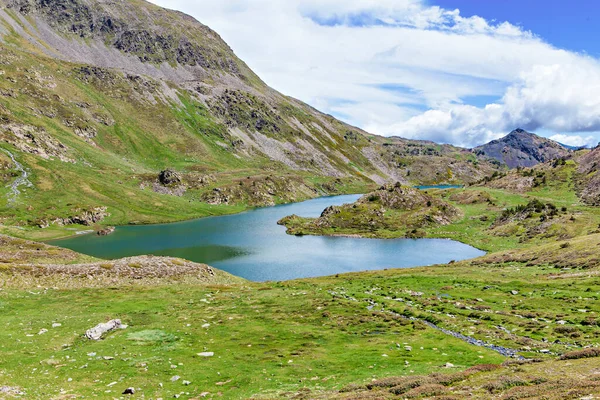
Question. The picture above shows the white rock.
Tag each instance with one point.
(206, 354)
(56, 325)
(96, 332)
(175, 378)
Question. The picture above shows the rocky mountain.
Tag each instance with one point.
(588, 184)
(522, 149)
(97, 97)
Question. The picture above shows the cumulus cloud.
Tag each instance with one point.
(575, 140)
(557, 98)
(403, 67)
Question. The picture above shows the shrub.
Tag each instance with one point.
(410, 383)
(373, 197)
(482, 368)
(426, 391)
(564, 330)
(503, 384)
(585, 353)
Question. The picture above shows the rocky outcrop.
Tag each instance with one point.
(106, 231)
(390, 211)
(588, 177)
(261, 191)
(169, 177)
(87, 218)
(33, 140)
(523, 149)
(399, 197)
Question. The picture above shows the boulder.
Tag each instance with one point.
(169, 177)
(96, 332)
(106, 231)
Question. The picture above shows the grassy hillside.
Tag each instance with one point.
(97, 98)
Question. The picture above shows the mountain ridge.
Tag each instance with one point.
(522, 149)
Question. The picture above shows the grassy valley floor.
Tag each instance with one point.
(437, 332)
(307, 338)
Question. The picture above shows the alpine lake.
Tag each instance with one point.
(251, 245)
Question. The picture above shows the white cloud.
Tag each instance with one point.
(405, 68)
(575, 140)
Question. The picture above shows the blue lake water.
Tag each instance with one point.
(253, 246)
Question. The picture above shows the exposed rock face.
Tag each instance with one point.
(118, 26)
(33, 140)
(89, 217)
(523, 149)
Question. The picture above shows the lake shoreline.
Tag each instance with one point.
(251, 245)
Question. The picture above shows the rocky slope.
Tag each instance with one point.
(522, 149)
(98, 96)
(589, 179)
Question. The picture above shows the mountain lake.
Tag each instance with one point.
(251, 245)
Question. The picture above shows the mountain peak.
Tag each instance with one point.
(519, 131)
(522, 149)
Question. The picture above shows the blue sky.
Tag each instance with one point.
(453, 71)
(571, 25)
